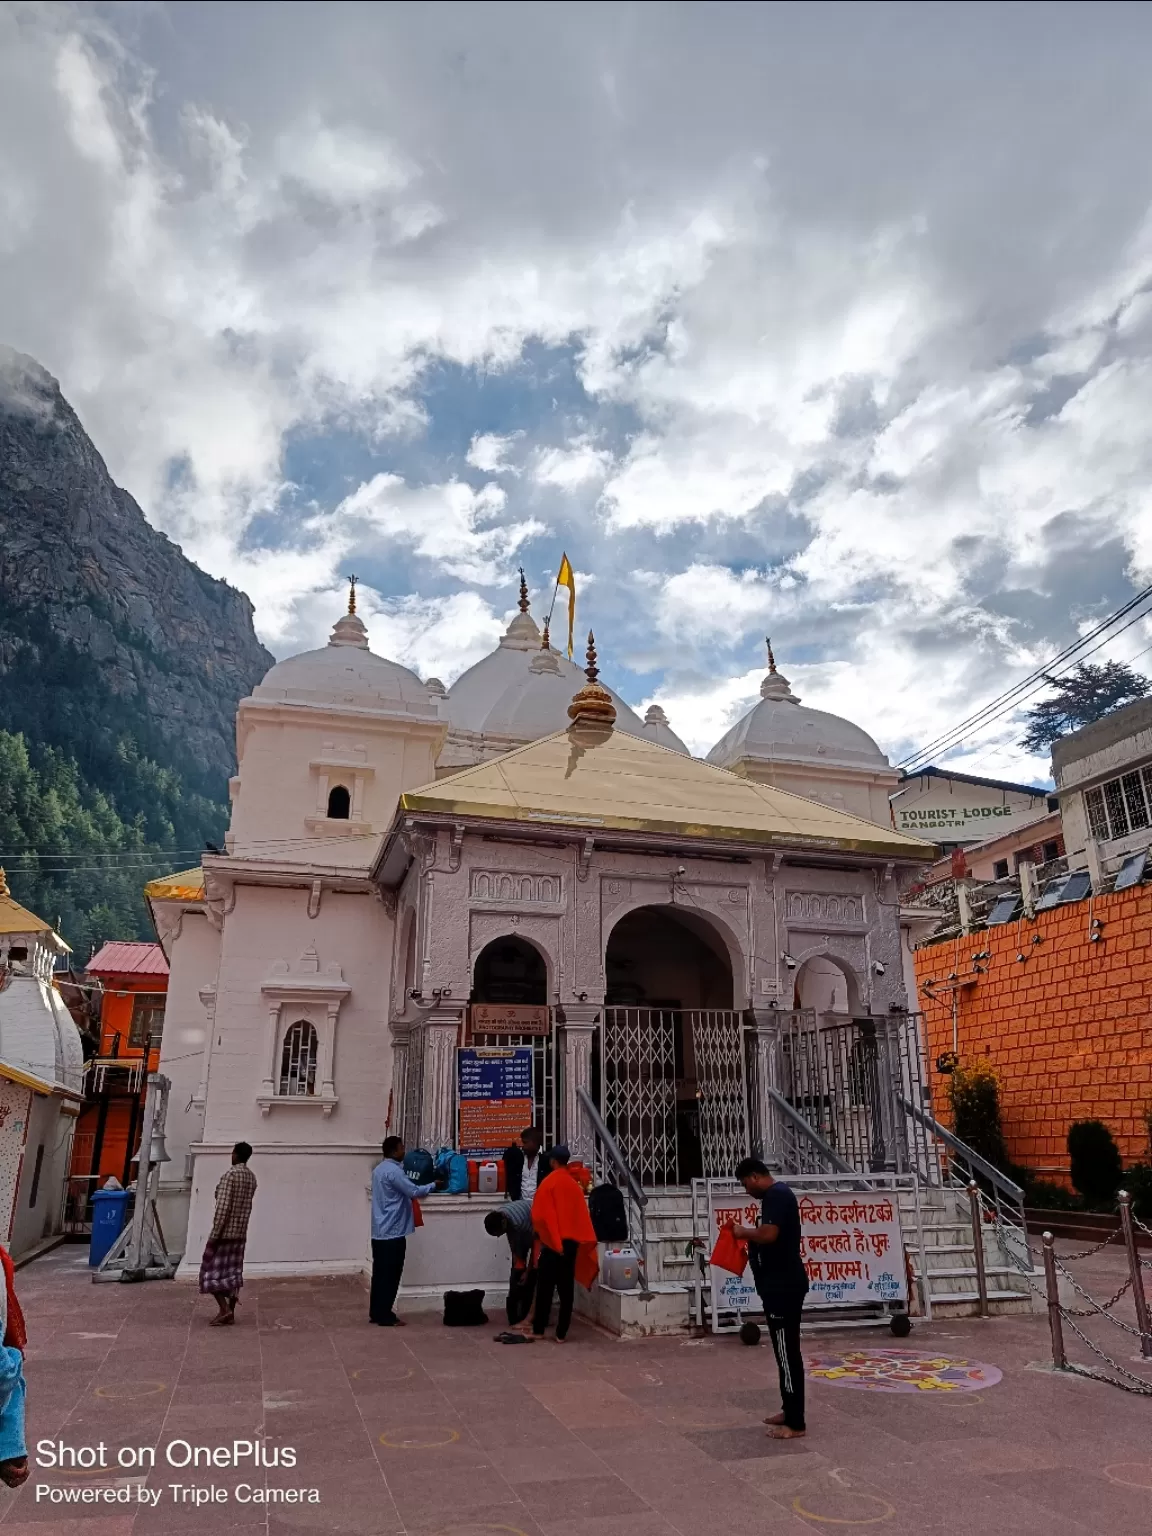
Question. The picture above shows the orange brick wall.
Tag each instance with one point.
(1068, 1030)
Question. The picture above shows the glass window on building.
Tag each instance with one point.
(1000, 869)
(1121, 806)
(147, 1022)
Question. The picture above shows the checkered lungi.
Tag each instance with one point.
(222, 1267)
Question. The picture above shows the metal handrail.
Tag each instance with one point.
(828, 1153)
(962, 1149)
(611, 1146)
(619, 1162)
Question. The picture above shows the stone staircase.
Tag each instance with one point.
(945, 1261)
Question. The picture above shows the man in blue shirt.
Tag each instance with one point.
(392, 1195)
(782, 1281)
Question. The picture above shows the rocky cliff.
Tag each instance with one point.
(121, 663)
(82, 571)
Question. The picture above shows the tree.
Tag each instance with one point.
(1094, 1158)
(1085, 694)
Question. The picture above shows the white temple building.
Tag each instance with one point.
(412, 871)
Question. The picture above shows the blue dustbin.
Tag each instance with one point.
(108, 1210)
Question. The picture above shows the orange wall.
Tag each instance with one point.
(116, 1012)
(1068, 1031)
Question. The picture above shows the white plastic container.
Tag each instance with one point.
(488, 1179)
(620, 1267)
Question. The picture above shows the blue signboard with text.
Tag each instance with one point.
(495, 1086)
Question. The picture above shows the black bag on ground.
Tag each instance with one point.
(609, 1218)
(464, 1309)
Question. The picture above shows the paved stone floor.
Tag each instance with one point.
(440, 1432)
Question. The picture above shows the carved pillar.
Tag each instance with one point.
(328, 1053)
(893, 1149)
(396, 1119)
(208, 999)
(581, 1020)
(438, 1099)
(272, 1030)
(762, 1058)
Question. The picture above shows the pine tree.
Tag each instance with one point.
(1087, 693)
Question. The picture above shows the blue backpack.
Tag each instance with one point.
(418, 1165)
(458, 1174)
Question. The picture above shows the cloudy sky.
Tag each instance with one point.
(832, 322)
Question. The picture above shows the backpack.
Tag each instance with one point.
(458, 1175)
(609, 1218)
(418, 1165)
(464, 1309)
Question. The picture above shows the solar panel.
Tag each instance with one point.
(1076, 887)
(1052, 893)
(1131, 872)
(1004, 911)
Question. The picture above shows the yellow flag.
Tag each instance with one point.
(567, 579)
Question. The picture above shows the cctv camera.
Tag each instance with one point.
(788, 961)
(680, 870)
(878, 967)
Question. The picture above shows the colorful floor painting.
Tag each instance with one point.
(901, 1370)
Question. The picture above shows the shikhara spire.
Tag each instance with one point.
(352, 580)
(771, 658)
(523, 592)
(593, 704)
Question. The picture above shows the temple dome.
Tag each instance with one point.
(657, 729)
(781, 730)
(344, 674)
(513, 692)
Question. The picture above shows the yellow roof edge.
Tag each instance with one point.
(27, 1079)
(181, 885)
(909, 848)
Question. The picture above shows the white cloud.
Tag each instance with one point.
(489, 452)
(569, 469)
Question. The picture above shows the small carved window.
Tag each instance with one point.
(298, 1061)
(339, 803)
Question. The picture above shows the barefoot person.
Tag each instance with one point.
(222, 1266)
(567, 1243)
(13, 1451)
(782, 1281)
(393, 1221)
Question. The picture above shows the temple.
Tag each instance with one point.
(517, 861)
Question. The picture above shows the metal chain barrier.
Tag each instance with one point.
(1059, 1314)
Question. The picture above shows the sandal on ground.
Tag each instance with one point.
(14, 1472)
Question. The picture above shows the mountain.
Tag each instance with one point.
(121, 665)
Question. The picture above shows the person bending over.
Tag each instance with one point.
(514, 1221)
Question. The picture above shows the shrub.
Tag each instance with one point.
(1095, 1159)
(974, 1096)
(1137, 1180)
(1042, 1195)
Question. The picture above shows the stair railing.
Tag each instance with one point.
(815, 1141)
(999, 1195)
(613, 1165)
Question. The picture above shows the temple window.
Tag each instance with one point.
(339, 803)
(298, 1061)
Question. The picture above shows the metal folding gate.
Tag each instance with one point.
(643, 1055)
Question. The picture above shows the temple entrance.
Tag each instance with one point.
(671, 1066)
(510, 970)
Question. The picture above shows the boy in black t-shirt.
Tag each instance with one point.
(782, 1281)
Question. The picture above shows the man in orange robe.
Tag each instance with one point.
(567, 1242)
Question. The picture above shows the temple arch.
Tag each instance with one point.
(510, 969)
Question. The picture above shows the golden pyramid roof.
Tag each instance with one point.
(17, 919)
(187, 885)
(588, 777)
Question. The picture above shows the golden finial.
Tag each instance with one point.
(4, 891)
(593, 704)
(352, 580)
(771, 658)
(591, 671)
(545, 641)
(523, 592)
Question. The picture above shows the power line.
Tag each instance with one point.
(1030, 684)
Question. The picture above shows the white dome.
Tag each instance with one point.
(511, 692)
(657, 729)
(345, 674)
(780, 730)
(535, 703)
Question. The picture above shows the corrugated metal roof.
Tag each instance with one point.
(128, 957)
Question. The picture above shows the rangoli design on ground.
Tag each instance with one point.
(901, 1370)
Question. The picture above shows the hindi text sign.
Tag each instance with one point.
(496, 1098)
(508, 1019)
(851, 1245)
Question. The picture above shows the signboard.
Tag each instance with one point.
(851, 1245)
(951, 812)
(496, 1098)
(508, 1019)
(852, 1248)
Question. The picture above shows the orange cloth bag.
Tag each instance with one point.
(417, 1214)
(730, 1253)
